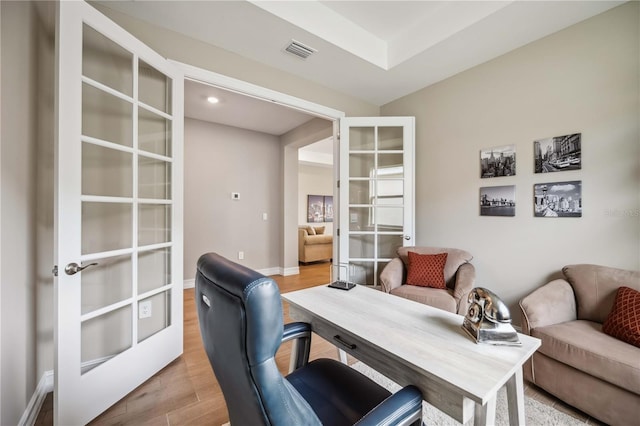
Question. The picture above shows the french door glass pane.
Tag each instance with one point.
(361, 165)
(361, 191)
(106, 336)
(106, 62)
(361, 138)
(160, 318)
(389, 162)
(360, 219)
(154, 88)
(106, 226)
(154, 269)
(361, 246)
(389, 218)
(154, 178)
(154, 133)
(106, 172)
(108, 283)
(154, 224)
(390, 138)
(106, 117)
(388, 244)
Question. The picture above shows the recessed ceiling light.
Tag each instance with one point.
(212, 100)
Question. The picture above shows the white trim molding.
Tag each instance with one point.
(45, 385)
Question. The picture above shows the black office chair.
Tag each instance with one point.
(241, 323)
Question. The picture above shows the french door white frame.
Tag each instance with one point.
(80, 397)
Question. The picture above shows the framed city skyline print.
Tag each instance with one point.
(498, 200)
(558, 154)
(498, 161)
(558, 199)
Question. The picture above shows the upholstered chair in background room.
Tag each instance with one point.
(436, 276)
(241, 323)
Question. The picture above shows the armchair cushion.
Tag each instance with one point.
(438, 298)
(455, 258)
(426, 270)
(624, 320)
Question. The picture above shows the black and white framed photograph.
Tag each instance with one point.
(558, 199)
(498, 200)
(498, 161)
(558, 153)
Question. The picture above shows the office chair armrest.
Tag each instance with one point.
(300, 333)
(402, 408)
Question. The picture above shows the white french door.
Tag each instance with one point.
(376, 203)
(118, 218)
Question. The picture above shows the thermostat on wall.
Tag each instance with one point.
(235, 195)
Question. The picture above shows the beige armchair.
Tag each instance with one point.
(459, 276)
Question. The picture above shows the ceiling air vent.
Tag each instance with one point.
(299, 49)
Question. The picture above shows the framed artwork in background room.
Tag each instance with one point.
(315, 208)
(328, 208)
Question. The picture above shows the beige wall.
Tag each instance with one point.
(314, 180)
(26, 225)
(583, 79)
(220, 160)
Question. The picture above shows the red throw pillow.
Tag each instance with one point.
(623, 321)
(426, 270)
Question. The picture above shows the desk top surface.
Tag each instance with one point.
(425, 339)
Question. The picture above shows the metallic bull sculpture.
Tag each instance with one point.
(488, 319)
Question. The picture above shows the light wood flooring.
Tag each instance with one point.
(186, 391)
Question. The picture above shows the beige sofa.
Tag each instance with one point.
(312, 248)
(577, 362)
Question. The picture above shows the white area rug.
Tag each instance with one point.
(536, 413)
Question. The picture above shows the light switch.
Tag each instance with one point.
(264, 216)
(235, 195)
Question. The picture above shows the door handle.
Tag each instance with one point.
(74, 268)
(407, 237)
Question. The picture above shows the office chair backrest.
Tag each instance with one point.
(241, 324)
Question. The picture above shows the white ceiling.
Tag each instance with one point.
(377, 51)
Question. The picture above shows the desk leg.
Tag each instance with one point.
(515, 398)
(343, 356)
(485, 414)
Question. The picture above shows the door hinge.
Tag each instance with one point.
(338, 232)
(338, 183)
(54, 271)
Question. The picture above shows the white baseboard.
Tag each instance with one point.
(189, 283)
(290, 271)
(45, 385)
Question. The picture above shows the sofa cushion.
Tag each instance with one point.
(442, 299)
(455, 258)
(624, 320)
(583, 346)
(426, 270)
(319, 230)
(595, 288)
(311, 230)
(318, 239)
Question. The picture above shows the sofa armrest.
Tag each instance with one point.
(465, 280)
(391, 275)
(553, 303)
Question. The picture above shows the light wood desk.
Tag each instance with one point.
(412, 343)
